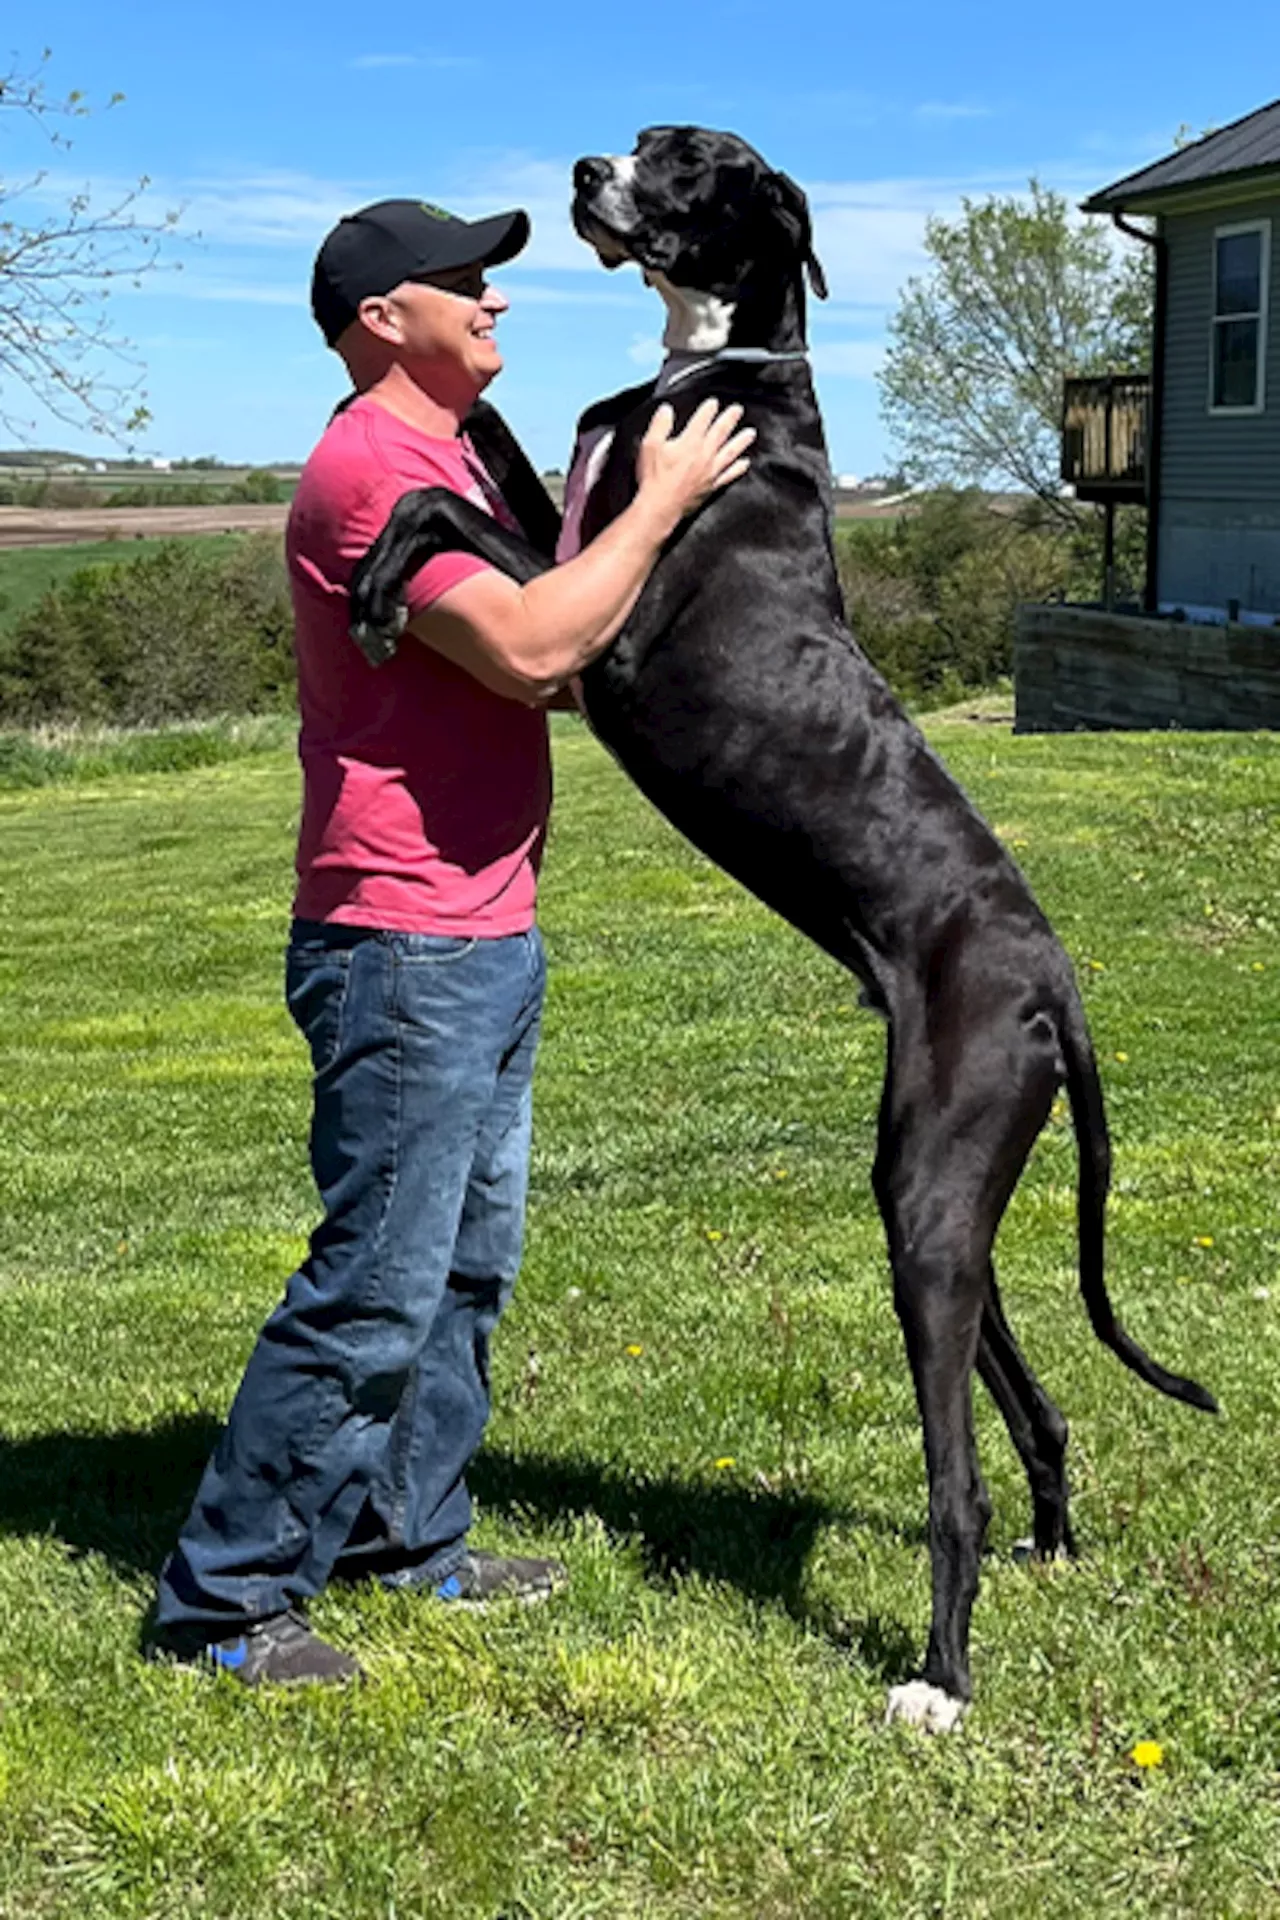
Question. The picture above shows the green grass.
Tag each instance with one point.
(695, 1729)
(27, 573)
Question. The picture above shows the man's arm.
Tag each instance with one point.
(525, 641)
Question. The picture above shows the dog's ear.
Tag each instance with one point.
(791, 210)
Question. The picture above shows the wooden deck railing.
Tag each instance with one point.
(1105, 436)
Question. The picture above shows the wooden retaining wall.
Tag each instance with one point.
(1078, 667)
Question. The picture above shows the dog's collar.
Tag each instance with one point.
(680, 366)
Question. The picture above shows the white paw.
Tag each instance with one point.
(921, 1705)
(1025, 1553)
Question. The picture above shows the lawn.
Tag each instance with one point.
(701, 1398)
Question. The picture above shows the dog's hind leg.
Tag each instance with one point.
(939, 1271)
(954, 1136)
(940, 1320)
(1036, 1427)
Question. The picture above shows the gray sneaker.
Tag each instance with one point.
(280, 1650)
(481, 1578)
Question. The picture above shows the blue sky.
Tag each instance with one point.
(266, 123)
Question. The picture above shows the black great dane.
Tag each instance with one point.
(736, 699)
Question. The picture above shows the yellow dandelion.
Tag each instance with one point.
(725, 1461)
(635, 1352)
(780, 1173)
(714, 1233)
(1097, 966)
(1204, 1239)
(1147, 1753)
(1259, 966)
(1123, 1058)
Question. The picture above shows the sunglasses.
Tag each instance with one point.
(468, 283)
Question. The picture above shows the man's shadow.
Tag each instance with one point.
(120, 1495)
(124, 1496)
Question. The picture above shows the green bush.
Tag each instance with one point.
(933, 596)
(166, 493)
(171, 635)
(49, 491)
(258, 488)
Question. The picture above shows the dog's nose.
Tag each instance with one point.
(589, 173)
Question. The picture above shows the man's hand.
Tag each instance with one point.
(676, 473)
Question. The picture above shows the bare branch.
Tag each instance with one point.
(57, 273)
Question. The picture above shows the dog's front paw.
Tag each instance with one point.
(376, 628)
(921, 1705)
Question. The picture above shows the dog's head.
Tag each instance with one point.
(699, 210)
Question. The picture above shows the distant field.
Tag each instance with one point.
(27, 573)
(103, 483)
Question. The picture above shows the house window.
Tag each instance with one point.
(1241, 268)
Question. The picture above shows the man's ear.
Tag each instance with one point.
(377, 314)
(791, 211)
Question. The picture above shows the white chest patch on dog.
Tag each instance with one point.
(585, 469)
(921, 1705)
(696, 322)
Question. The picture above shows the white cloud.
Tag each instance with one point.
(543, 188)
(951, 110)
(645, 352)
(249, 208)
(187, 285)
(197, 286)
(528, 293)
(848, 359)
(869, 234)
(372, 62)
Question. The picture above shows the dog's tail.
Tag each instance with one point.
(1084, 1091)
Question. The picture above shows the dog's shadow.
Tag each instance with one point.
(123, 1496)
(756, 1540)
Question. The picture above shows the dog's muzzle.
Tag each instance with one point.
(590, 174)
(604, 209)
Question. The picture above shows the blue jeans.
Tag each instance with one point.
(368, 1390)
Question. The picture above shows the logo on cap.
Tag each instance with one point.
(437, 213)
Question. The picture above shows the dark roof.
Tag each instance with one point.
(1247, 146)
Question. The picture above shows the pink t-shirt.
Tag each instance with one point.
(425, 795)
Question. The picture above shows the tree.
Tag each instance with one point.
(1019, 295)
(57, 272)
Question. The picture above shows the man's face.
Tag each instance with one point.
(443, 328)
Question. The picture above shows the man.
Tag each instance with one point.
(414, 970)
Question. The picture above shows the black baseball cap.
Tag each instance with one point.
(375, 249)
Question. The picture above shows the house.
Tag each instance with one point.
(1197, 440)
